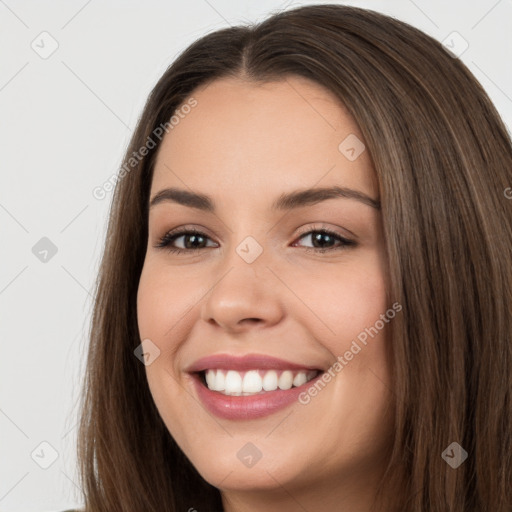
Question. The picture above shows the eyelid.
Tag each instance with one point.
(322, 226)
(315, 226)
(187, 228)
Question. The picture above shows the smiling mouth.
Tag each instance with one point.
(254, 382)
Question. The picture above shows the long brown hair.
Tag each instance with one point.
(443, 158)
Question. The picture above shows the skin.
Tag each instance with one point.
(244, 144)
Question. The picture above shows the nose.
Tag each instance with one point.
(245, 296)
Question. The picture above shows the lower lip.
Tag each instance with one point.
(251, 406)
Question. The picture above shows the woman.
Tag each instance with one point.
(236, 362)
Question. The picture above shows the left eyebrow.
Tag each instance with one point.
(309, 196)
(286, 201)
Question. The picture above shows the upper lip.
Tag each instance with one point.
(245, 363)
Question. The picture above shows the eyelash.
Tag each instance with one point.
(171, 236)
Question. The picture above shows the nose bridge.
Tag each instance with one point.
(245, 287)
(246, 264)
(249, 242)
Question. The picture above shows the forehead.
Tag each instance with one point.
(244, 137)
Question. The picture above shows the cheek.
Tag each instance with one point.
(342, 300)
(150, 304)
(161, 301)
(161, 315)
(160, 305)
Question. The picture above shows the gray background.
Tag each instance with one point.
(65, 122)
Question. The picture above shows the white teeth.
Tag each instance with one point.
(270, 381)
(233, 382)
(210, 379)
(220, 381)
(286, 380)
(252, 382)
(300, 379)
(215, 380)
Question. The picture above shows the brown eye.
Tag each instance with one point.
(193, 240)
(322, 237)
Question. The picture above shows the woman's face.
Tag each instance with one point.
(262, 298)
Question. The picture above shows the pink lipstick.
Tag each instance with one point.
(251, 386)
